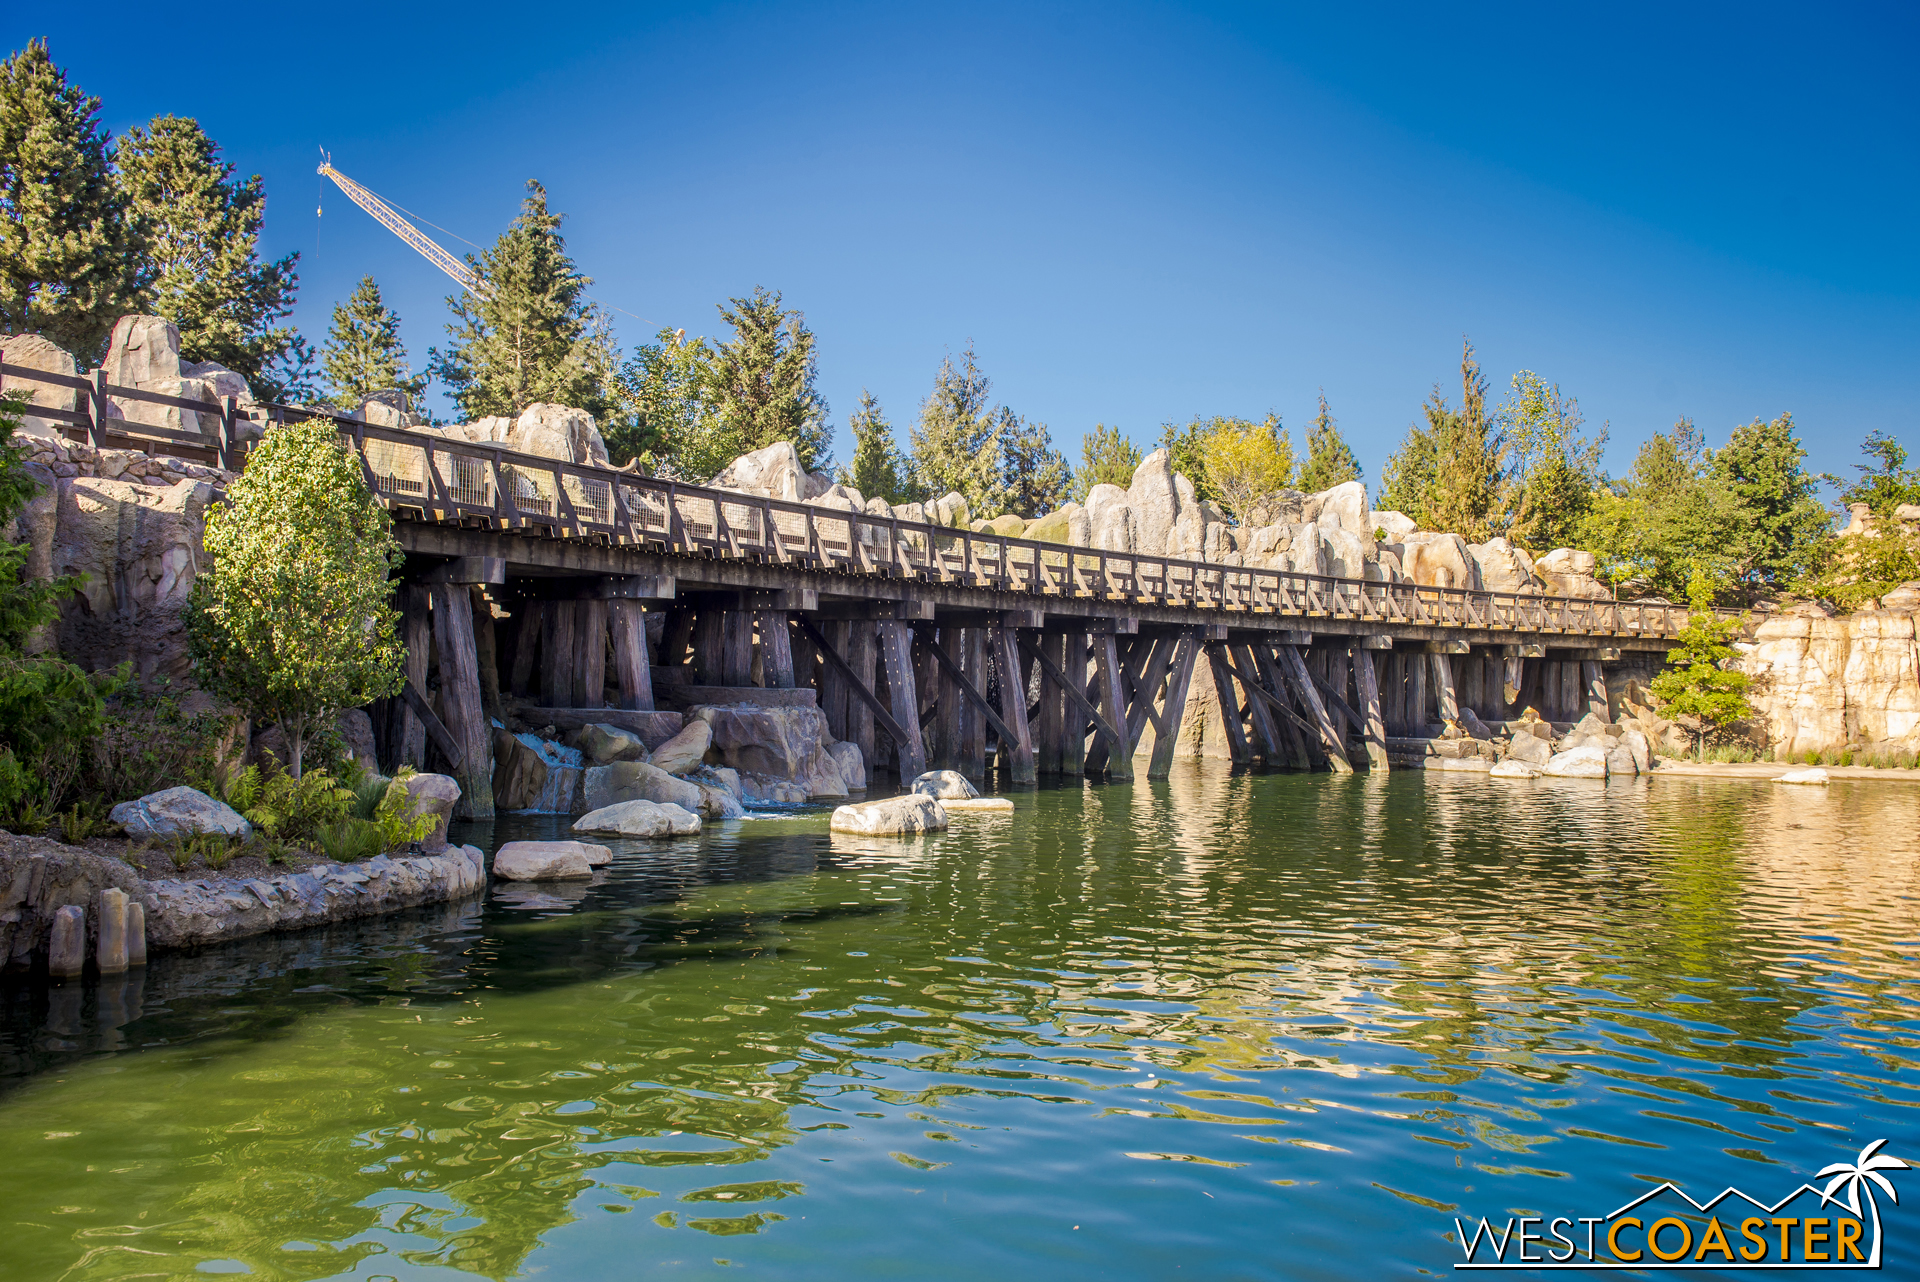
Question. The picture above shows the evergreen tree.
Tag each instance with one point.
(667, 417)
(1186, 447)
(763, 380)
(66, 266)
(1106, 458)
(879, 469)
(1555, 470)
(1698, 683)
(1469, 460)
(957, 442)
(1886, 482)
(199, 232)
(1780, 522)
(1034, 475)
(1407, 477)
(1329, 460)
(363, 352)
(536, 337)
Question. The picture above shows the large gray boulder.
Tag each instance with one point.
(138, 547)
(542, 861)
(1110, 519)
(775, 472)
(895, 816)
(1580, 763)
(1439, 561)
(1155, 500)
(1503, 567)
(944, 785)
(434, 795)
(179, 812)
(143, 350)
(1529, 748)
(603, 786)
(595, 855)
(519, 773)
(602, 745)
(36, 352)
(719, 803)
(787, 743)
(1395, 525)
(640, 819)
(852, 765)
(686, 749)
(1568, 561)
(1344, 507)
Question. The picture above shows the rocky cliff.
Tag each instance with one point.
(1824, 684)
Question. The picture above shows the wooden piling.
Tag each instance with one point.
(896, 646)
(776, 652)
(1570, 700)
(561, 651)
(709, 644)
(736, 648)
(529, 620)
(1304, 691)
(1417, 704)
(1017, 755)
(633, 672)
(486, 650)
(1368, 688)
(1112, 702)
(460, 699)
(1445, 696)
(1173, 712)
(590, 662)
(1050, 735)
(1074, 726)
(110, 950)
(861, 642)
(833, 684)
(1267, 742)
(1224, 691)
(1513, 686)
(67, 947)
(136, 933)
(973, 726)
(417, 623)
(1596, 683)
(677, 637)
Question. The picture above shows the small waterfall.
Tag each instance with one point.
(563, 774)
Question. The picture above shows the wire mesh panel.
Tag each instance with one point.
(592, 498)
(464, 478)
(399, 470)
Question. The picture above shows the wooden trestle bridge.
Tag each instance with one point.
(535, 579)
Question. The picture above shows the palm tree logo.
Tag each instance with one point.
(1854, 1176)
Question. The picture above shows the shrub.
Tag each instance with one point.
(146, 742)
(280, 805)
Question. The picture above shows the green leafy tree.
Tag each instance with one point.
(67, 269)
(1886, 482)
(879, 469)
(1780, 522)
(1330, 461)
(290, 618)
(1245, 462)
(536, 336)
(1698, 683)
(1555, 469)
(1034, 476)
(363, 352)
(1855, 570)
(1186, 447)
(199, 230)
(957, 441)
(49, 709)
(1665, 517)
(764, 382)
(1106, 458)
(668, 416)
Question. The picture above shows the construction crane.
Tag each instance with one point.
(469, 279)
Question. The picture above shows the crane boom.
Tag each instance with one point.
(469, 279)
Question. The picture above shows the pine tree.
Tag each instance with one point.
(536, 337)
(1781, 522)
(1329, 460)
(879, 469)
(199, 231)
(764, 381)
(363, 352)
(957, 442)
(1407, 478)
(1186, 449)
(1106, 458)
(1035, 476)
(66, 270)
(1556, 471)
(1469, 460)
(1697, 682)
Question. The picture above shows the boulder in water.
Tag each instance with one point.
(544, 860)
(603, 786)
(895, 816)
(944, 785)
(685, 750)
(519, 773)
(640, 819)
(1580, 763)
(602, 745)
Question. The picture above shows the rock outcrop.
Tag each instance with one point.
(1829, 684)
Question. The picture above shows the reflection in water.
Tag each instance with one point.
(1229, 1025)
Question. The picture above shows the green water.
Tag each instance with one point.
(1229, 1026)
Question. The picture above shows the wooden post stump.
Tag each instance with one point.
(861, 640)
(633, 671)
(460, 700)
(1018, 755)
(1367, 686)
(776, 650)
(896, 647)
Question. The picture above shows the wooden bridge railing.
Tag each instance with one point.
(450, 480)
(459, 481)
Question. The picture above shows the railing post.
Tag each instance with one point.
(97, 411)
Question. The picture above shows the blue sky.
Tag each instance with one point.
(1137, 212)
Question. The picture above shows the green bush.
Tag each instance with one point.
(147, 741)
(281, 806)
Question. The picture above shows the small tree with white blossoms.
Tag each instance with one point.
(292, 618)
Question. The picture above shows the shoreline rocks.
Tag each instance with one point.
(905, 816)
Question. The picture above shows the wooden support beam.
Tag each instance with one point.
(1135, 654)
(1448, 647)
(860, 657)
(1073, 727)
(969, 693)
(1596, 682)
(632, 670)
(486, 648)
(904, 733)
(776, 648)
(529, 618)
(1146, 691)
(834, 689)
(1173, 713)
(590, 665)
(1336, 750)
(1417, 721)
(1076, 698)
(410, 734)
(557, 645)
(431, 726)
(681, 624)
(1367, 686)
(460, 700)
(1016, 743)
(975, 716)
(1229, 703)
(1570, 700)
(1258, 694)
(1347, 713)
(736, 648)
(1268, 739)
(468, 570)
(1303, 738)
(1347, 722)
(1113, 702)
(1050, 732)
(1445, 697)
(1393, 691)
